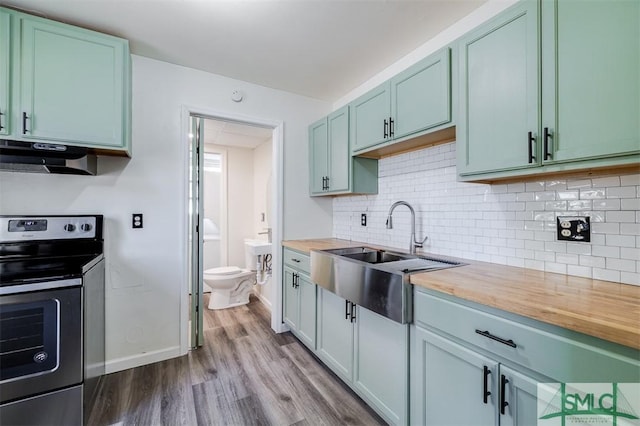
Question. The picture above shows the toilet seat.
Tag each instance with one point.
(226, 273)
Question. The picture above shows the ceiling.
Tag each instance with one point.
(235, 134)
(317, 48)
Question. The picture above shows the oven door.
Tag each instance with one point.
(40, 341)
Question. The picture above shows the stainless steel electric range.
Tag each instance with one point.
(51, 318)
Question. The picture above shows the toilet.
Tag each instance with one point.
(230, 286)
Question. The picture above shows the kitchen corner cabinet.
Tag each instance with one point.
(68, 85)
(411, 102)
(367, 351)
(490, 362)
(5, 37)
(299, 292)
(332, 168)
(541, 91)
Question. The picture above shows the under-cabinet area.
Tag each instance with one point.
(492, 358)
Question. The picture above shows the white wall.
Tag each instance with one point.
(262, 181)
(449, 35)
(146, 268)
(512, 224)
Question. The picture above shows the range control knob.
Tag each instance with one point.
(86, 227)
(69, 227)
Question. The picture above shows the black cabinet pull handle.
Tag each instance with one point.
(295, 260)
(324, 183)
(327, 182)
(391, 131)
(547, 135)
(485, 390)
(496, 338)
(347, 311)
(353, 312)
(503, 399)
(1, 126)
(24, 123)
(386, 126)
(531, 140)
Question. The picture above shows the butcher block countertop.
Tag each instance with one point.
(603, 309)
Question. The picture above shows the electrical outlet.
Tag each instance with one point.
(136, 220)
(363, 219)
(574, 228)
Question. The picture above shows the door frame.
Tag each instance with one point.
(277, 195)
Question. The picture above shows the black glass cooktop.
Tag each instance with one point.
(21, 271)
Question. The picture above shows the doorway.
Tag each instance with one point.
(205, 158)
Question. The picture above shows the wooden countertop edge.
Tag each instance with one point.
(475, 282)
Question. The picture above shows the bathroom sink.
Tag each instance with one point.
(258, 247)
(373, 278)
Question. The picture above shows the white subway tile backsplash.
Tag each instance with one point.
(621, 192)
(512, 224)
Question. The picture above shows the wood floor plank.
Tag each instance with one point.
(245, 374)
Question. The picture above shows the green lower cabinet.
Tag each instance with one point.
(307, 311)
(447, 381)
(521, 395)
(335, 334)
(300, 306)
(380, 367)
(455, 385)
(368, 352)
(291, 299)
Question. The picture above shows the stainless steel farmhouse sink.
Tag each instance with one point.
(372, 278)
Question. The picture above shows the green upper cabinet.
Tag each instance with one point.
(412, 102)
(5, 31)
(550, 86)
(72, 84)
(371, 113)
(332, 169)
(499, 87)
(421, 95)
(318, 156)
(591, 78)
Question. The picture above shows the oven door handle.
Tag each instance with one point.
(46, 285)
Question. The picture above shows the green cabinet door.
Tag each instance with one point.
(521, 395)
(380, 366)
(307, 311)
(591, 69)
(499, 92)
(339, 154)
(447, 383)
(291, 304)
(370, 115)
(318, 156)
(335, 334)
(421, 95)
(5, 102)
(72, 84)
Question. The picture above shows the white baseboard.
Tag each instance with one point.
(145, 358)
(263, 299)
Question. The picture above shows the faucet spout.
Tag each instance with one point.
(413, 243)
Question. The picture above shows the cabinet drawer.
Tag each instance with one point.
(564, 356)
(297, 260)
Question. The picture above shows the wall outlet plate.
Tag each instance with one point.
(574, 228)
(136, 220)
(363, 219)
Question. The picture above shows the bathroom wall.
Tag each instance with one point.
(512, 224)
(213, 256)
(239, 175)
(262, 189)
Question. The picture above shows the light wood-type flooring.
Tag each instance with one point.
(245, 374)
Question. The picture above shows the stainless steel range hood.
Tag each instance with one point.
(36, 157)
